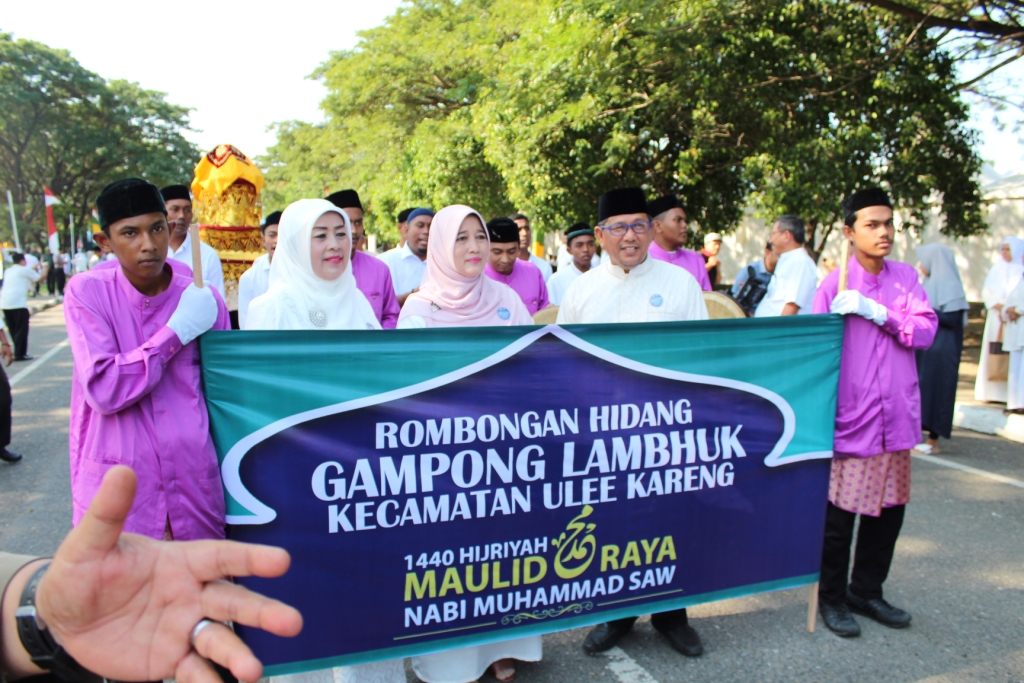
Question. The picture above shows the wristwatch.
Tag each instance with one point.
(40, 645)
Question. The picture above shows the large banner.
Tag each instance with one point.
(444, 488)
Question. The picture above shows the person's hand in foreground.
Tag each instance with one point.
(124, 605)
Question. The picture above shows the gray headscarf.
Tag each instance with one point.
(943, 286)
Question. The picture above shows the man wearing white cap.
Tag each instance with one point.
(712, 245)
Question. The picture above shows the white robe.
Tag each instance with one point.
(654, 291)
(1013, 341)
(1001, 280)
(253, 283)
(559, 283)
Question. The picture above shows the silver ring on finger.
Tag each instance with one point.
(203, 623)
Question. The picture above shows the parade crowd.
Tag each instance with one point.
(137, 400)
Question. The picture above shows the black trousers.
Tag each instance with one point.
(876, 542)
(17, 324)
(5, 410)
(661, 620)
(61, 281)
(51, 280)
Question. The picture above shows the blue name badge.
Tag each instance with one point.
(656, 300)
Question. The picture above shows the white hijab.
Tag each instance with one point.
(1004, 276)
(297, 298)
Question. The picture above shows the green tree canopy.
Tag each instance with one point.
(778, 105)
(63, 126)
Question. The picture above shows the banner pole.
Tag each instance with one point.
(71, 249)
(812, 608)
(14, 223)
(844, 264)
(197, 257)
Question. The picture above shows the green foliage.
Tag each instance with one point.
(782, 105)
(64, 126)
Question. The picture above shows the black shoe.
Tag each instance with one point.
(9, 456)
(683, 638)
(25, 357)
(839, 620)
(879, 610)
(606, 635)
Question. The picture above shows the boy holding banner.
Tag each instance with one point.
(136, 397)
(878, 416)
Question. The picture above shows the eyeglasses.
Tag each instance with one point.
(620, 229)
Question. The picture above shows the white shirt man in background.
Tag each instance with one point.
(179, 218)
(582, 249)
(408, 265)
(795, 278)
(256, 280)
(526, 245)
(18, 280)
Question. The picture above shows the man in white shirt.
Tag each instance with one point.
(409, 264)
(582, 247)
(795, 277)
(630, 287)
(256, 280)
(18, 280)
(526, 244)
(403, 229)
(179, 218)
(81, 262)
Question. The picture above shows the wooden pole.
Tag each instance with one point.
(812, 608)
(197, 256)
(844, 264)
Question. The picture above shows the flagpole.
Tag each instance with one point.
(14, 223)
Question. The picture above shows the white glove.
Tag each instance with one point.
(852, 301)
(195, 314)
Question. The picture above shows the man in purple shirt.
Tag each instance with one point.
(136, 393)
(505, 266)
(878, 414)
(373, 278)
(668, 221)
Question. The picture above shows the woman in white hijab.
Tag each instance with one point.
(311, 282)
(1002, 278)
(1013, 342)
(312, 288)
(938, 367)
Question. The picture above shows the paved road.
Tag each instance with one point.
(959, 568)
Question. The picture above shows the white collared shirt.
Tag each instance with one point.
(559, 283)
(407, 270)
(213, 273)
(795, 281)
(654, 291)
(545, 267)
(18, 279)
(254, 282)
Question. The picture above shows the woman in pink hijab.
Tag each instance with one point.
(455, 291)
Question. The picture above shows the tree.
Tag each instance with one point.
(64, 126)
(543, 105)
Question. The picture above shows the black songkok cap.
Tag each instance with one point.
(126, 198)
(873, 196)
(272, 219)
(621, 202)
(176, 192)
(503, 230)
(345, 199)
(577, 229)
(403, 215)
(658, 206)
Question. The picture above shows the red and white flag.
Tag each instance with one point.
(50, 199)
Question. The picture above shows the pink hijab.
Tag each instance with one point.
(449, 299)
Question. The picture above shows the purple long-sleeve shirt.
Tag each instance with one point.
(691, 261)
(137, 400)
(527, 281)
(879, 407)
(373, 279)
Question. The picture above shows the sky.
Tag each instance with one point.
(251, 71)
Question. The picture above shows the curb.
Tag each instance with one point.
(42, 305)
(988, 420)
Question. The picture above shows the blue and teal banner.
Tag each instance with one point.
(444, 488)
